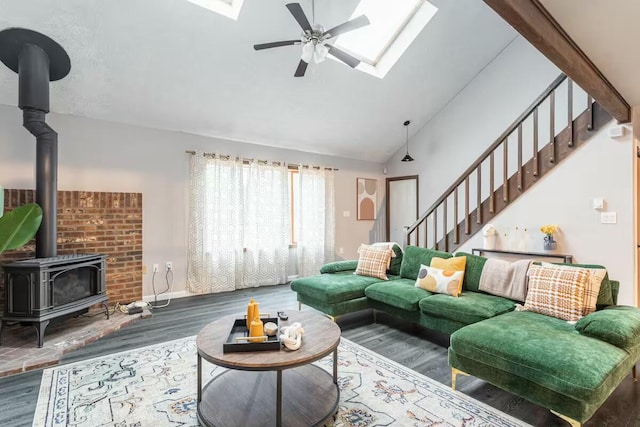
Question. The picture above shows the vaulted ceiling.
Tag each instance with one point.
(608, 33)
(170, 64)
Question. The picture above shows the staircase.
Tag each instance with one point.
(484, 189)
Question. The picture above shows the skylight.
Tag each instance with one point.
(228, 8)
(394, 26)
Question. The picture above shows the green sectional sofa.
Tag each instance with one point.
(570, 369)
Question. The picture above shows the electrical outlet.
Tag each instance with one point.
(156, 267)
(169, 266)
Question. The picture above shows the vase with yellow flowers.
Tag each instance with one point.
(548, 230)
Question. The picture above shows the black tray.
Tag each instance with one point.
(239, 330)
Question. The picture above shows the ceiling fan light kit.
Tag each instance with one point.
(315, 40)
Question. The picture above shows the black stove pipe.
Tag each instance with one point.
(33, 71)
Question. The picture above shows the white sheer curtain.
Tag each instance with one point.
(316, 220)
(216, 216)
(267, 228)
(239, 224)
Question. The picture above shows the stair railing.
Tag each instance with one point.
(450, 227)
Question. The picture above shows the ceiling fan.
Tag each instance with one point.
(315, 40)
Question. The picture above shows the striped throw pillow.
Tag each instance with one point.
(557, 292)
(373, 261)
(596, 275)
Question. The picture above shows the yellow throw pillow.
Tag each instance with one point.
(557, 292)
(439, 281)
(593, 286)
(457, 263)
(373, 261)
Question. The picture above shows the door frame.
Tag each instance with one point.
(387, 202)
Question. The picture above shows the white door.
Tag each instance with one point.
(402, 206)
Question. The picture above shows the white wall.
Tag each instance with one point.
(101, 156)
(456, 136)
(446, 146)
(602, 168)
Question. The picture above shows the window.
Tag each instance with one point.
(228, 8)
(394, 26)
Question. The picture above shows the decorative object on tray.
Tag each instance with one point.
(548, 230)
(256, 331)
(270, 329)
(291, 336)
(253, 332)
(250, 310)
(240, 339)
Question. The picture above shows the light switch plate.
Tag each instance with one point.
(608, 217)
(346, 214)
(598, 203)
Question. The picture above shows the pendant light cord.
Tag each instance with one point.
(313, 11)
(407, 128)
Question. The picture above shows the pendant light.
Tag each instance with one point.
(407, 157)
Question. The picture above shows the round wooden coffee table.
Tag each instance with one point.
(248, 394)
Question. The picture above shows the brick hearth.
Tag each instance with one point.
(94, 222)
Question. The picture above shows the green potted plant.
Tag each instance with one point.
(18, 226)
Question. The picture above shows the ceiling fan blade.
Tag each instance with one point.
(344, 56)
(298, 13)
(302, 68)
(276, 44)
(345, 27)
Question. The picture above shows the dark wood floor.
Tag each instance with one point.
(415, 347)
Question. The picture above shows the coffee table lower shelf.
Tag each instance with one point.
(249, 398)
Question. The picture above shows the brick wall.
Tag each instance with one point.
(93, 222)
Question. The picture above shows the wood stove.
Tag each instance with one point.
(41, 289)
(49, 286)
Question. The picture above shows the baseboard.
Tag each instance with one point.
(166, 296)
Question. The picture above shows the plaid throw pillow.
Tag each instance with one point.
(557, 292)
(373, 261)
(596, 275)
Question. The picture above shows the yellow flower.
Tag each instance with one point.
(549, 229)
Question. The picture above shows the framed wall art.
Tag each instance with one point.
(367, 198)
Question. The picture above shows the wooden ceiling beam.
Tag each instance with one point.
(535, 23)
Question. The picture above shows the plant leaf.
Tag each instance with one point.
(19, 226)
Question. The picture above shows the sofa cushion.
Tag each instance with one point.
(543, 350)
(557, 291)
(338, 266)
(373, 261)
(414, 257)
(455, 263)
(439, 281)
(596, 275)
(333, 288)
(396, 258)
(473, 271)
(619, 326)
(605, 296)
(469, 307)
(399, 293)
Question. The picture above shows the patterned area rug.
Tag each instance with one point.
(156, 386)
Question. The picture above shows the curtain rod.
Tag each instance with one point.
(247, 161)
